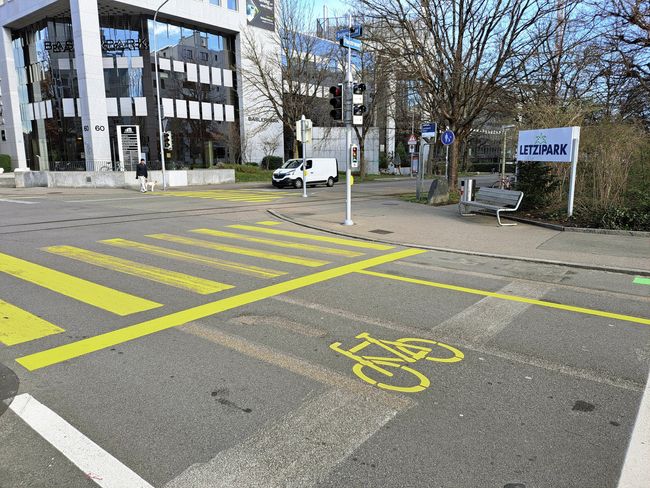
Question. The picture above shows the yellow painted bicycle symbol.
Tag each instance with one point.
(403, 351)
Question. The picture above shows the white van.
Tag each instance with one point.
(319, 170)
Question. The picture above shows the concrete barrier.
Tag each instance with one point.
(7, 180)
(120, 179)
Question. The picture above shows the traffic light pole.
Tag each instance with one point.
(160, 128)
(303, 136)
(348, 138)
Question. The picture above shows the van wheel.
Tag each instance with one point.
(330, 181)
(297, 183)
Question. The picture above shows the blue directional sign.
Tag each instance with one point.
(429, 129)
(447, 137)
(340, 34)
(354, 44)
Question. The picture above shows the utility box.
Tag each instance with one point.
(467, 189)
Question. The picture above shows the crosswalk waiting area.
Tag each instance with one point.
(265, 242)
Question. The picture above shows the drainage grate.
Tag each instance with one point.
(380, 231)
(390, 203)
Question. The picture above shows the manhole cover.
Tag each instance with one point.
(390, 203)
(380, 231)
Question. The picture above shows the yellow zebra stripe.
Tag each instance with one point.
(99, 296)
(18, 325)
(246, 269)
(312, 237)
(151, 273)
(313, 263)
(299, 246)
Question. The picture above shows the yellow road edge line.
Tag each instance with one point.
(63, 353)
(268, 222)
(513, 298)
(246, 269)
(189, 241)
(85, 291)
(301, 235)
(285, 244)
(182, 281)
(18, 325)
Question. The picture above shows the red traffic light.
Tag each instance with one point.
(337, 91)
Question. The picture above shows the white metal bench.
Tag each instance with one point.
(495, 200)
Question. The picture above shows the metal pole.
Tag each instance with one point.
(572, 176)
(503, 160)
(348, 137)
(447, 162)
(304, 157)
(160, 130)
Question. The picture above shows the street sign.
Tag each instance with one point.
(412, 140)
(354, 156)
(307, 130)
(447, 137)
(429, 129)
(340, 34)
(354, 31)
(354, 44)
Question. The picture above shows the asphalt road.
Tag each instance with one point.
(185, 340)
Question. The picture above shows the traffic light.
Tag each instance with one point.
(336, 102)
(354, 156)
(168, 143)
(358, 108)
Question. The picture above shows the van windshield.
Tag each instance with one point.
(292, 163)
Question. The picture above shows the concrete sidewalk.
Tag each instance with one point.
(443, 228)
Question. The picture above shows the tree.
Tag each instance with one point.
(287, 70)
(462, 53)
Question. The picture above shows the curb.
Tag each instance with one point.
(594, 267)
(584, 230)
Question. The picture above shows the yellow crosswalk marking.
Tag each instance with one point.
(268, 222)
(277, 243)
(251, 196)
(300, 235)
(110, 339)
(18, 326)
(246, 269)
(313, 263)
(79, 289)
(152, 273)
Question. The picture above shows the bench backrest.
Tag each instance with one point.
(498, 197)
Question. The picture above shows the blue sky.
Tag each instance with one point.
(338, 7)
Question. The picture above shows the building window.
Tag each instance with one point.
(215, 2)
(204, 56)
(187, 53)
(232, 5)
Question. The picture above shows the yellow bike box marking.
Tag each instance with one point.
(152, 273)
(109, 339)
(82, 290)
(18, 325)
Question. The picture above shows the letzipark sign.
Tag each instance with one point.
(552, 146)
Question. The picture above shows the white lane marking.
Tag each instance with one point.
(96, 463)
(483, 320)
(16, 201)
(299, 450)
(635, 467)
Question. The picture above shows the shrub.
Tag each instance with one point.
(5, 162)
(538, 184)
(272, 162)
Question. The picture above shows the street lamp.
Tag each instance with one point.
(160, 128)
(504, 129)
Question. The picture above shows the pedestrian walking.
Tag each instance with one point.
(142, 174)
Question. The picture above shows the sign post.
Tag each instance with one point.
(303, 130)
(559, 145)
(447, 139)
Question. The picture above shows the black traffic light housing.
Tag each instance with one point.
(336, 102)
(168, 143)
(358, 108)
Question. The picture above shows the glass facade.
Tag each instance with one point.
(196, 80)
